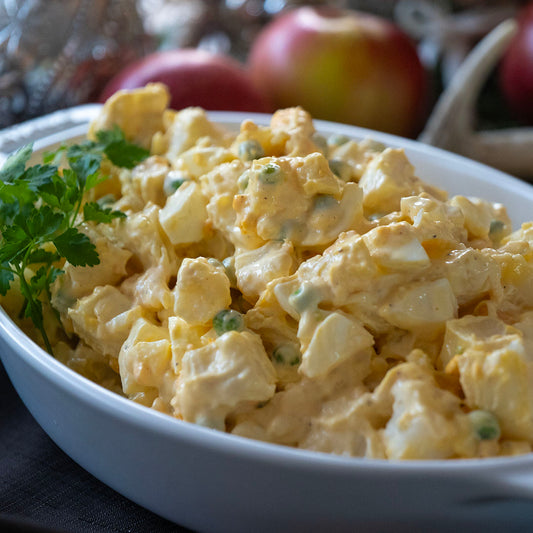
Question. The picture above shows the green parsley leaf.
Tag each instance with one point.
(16, 163)
(54, 273)
(12, 197)
(11, 192)
(96, 213)
(15, 242)
(55, 156)
(34, 309)
(38, 282)
(43, 256)
(126, 155)
(119, 151)
(85, 166)
(93, 180)
(57, 194)
(107, 137)
(41, 209)
(43, 223)
(6, 277)
(76, 248)
(86, 147)
(39, 176)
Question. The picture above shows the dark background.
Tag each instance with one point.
(43, 490)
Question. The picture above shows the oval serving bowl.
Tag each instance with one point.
(211, 481)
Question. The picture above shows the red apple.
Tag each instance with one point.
(516, 68)
(344, 66)
(194, 78)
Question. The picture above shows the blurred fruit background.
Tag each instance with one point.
(379, 64)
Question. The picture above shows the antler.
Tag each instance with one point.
(452, 122)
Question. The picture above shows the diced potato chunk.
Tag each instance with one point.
(217, 378)
(387, 178)
(79, 281)
(256, 268)
(200, 160)
(500, 381)
(423, 306)
(396, 246)
(427, 422)
(184, 215)
(336, 338)
(138, 113)
(183, 337)
(104, 319)
(144, 357)
(187, 126)
(148, 178)
(468, 331)
(479, 216)
(196, 279)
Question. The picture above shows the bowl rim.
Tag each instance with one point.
(163, 424)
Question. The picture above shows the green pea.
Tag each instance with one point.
(215, 262)
(485, 424)
(286, 354)
(106, 201)
(338, 139)
(496, 226)
(243, 180)
(250, 150)
(324, 201)
(321, 142)
(173, 181)
(229, 267)
(304, 298)
(375, 146)
(341, 169)
(296, 296)
(228, 320)
(210, 422)
(270, 174)
(288, 230)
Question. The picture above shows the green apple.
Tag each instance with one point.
(344, 66)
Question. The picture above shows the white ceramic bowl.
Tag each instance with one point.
(210, 481)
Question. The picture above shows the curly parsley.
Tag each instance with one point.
(42, 208)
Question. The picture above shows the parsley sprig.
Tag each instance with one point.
(42, 208)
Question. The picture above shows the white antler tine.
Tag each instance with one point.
(453, 116)
(510, 150)
(451, 124)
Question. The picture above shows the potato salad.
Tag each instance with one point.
(298, 289)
